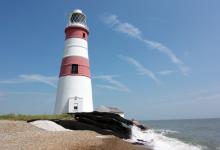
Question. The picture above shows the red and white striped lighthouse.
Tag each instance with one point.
(74, 93)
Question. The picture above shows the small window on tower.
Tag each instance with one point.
(84, 35)
(74, 68)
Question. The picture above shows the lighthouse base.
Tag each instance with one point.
(74, 94)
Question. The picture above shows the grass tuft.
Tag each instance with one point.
(34, 117)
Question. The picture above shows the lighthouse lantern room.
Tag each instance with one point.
(74, 92)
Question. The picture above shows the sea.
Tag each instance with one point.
(186, 134)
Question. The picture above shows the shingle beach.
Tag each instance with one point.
(20, 135)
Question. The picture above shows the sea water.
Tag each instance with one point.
(191, 134)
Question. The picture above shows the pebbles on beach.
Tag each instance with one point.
(21, 135)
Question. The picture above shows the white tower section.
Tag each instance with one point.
(74, 93)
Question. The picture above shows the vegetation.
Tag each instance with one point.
(34, 117)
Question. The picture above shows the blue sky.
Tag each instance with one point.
(153, 59)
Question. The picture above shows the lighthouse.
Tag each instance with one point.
(74, 91)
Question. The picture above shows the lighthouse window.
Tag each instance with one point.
(74, 68)
(84, 35)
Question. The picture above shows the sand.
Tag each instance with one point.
(20, 135)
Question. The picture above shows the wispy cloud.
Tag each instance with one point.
(132, 31)
(19, 95)
(27, 93)
(31, 78)
(140, 68)
(166, 72)
(113, 83)
(2, 94)
(110, 87)
(49, 80)
(210, 97)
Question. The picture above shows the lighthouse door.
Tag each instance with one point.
(75, 105)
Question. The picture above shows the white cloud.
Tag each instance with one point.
(134, 32)
(49, 80)
(104, 86)
(166, 72)
(110, 19)
(156, 45)
(140, 68)
(129, 29)
(114, 84)
(32, 78)
(126, 28)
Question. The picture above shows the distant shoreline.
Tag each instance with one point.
(179, 119)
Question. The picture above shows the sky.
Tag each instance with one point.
(153, 59)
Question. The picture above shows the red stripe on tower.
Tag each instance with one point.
(76, 32)
(81, 64)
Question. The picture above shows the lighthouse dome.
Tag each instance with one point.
(77, 11)
(77, 18)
